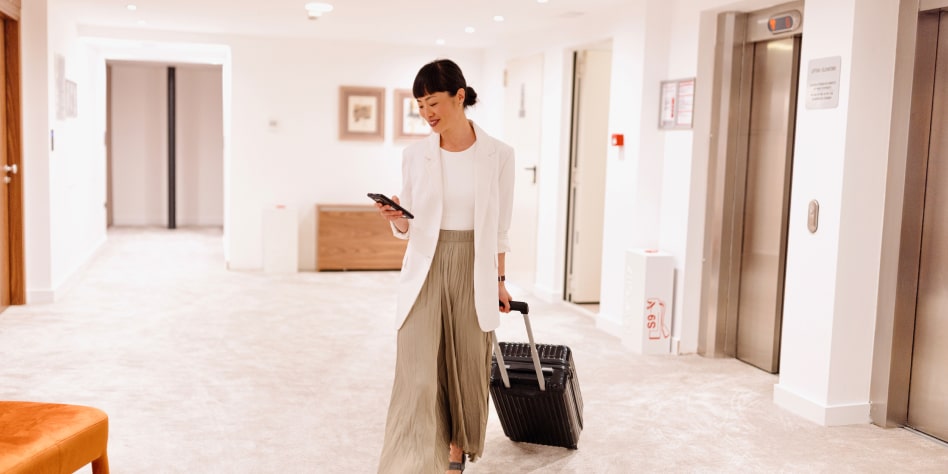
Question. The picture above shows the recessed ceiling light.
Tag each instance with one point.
(132, 7)
(542, 1)
(499, 18)
(315, 10)
(440, 42)
(469, 29)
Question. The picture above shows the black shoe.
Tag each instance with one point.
(458, 466)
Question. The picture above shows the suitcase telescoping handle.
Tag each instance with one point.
(524, 309)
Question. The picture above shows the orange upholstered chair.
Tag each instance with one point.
(49, 438)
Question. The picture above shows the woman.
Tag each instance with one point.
(458, 184)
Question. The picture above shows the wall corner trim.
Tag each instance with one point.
(824, 415)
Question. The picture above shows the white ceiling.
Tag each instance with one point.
(393, 21)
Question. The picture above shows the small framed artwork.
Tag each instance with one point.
(408, 121)
(361, 113)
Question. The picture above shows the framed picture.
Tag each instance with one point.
(408, 121)
(361, 113)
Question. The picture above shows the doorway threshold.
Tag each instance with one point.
(926, 436)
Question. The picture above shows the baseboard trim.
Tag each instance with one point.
(611, 326)
(51, 295)
(40, 296)
(835, 415)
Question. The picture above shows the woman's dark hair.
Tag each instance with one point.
(443, 75)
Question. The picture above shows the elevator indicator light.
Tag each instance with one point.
(780, 24)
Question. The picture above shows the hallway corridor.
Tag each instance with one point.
(203, 370)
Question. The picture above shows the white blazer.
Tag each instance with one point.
(422, 194)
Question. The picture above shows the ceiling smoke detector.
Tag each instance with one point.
(314, 10)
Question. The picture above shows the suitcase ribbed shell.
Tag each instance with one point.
(553, 417)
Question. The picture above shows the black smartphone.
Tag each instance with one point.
(385, 201)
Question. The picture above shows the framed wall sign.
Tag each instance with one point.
(676, 104)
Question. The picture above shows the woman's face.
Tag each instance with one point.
(442, 111)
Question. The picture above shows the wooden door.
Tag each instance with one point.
(12, 272)
(7, 177)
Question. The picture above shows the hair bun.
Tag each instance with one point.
(470, 96)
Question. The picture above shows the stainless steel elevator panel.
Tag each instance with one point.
(928, 392)
(749, 161)
(766, 202)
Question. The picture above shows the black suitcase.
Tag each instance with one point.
(548, 412)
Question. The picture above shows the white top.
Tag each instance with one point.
(494, 167)
(457, 168)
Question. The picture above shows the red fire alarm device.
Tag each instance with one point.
(618, 139)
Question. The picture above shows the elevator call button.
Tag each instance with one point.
(813, 216)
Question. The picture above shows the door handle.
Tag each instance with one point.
(9, 169)
(534, 169)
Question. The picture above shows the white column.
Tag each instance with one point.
(36, 138)
(839, 160)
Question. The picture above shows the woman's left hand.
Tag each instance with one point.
(504, 297)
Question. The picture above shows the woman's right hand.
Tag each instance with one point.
(393, 216)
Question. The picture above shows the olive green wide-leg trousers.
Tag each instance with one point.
(442, 369)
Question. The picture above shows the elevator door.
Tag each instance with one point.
(928, 391)
(766, 201)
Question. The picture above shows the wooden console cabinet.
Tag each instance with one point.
(354, 237)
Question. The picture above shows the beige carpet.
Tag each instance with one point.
(202, 370)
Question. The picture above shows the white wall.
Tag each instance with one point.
(301, 162)
(64, 188)
(77, 165)
(634, 184)
(281, 109)
(35, 173)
